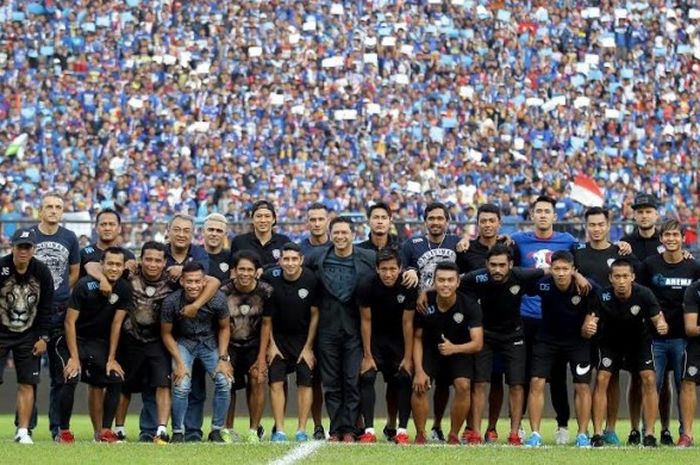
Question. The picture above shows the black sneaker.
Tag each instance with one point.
(666, 439)
(436, 434)
(215, 436)
(145, 437)
(274, 430)
(649, 441)
(389, 433)
(597, 440)
(319, 433)
(121, 436)
(634, 438)
(177, 437)
(261, 432)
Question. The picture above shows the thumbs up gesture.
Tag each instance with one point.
(446, 347)
(590, 326)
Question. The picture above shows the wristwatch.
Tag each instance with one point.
(45, 338)
(225, 358)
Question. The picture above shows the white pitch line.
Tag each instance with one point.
(298, 453)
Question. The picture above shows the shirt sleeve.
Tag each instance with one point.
(652, 306)
(126, 297)
(220, 307)
(411, 298)
(74, 253)
(200, 255)
(364, 292)
(167, 311)
(76, 296)
(691, 297)
(474, 312)
(45, 298)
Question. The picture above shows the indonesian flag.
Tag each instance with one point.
(585, 191)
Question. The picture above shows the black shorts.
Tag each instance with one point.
(691, 361)
(634, 356)
(388, 356)
(93, 363)
(58, 358)
(513, 354)
(27, 366)
(546, 353)
(242, 358)
(445, 369)
(281, 367)
(145, 364)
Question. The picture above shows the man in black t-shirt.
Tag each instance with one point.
(26, 293)
(214, 231)
(90, 346)
(108, 229)
(691, 373)
(620, 318)
(380, 235)
(387, 308)
(445, 337)
(290, 321)
(262, 239)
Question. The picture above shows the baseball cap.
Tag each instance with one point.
(24, 236)
(644, 200)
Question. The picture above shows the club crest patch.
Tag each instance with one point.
(276, 254)
(458, 317)
(245, 309)
(303, 293)
(113, 298)
(150, 291)
(692, 371)
(223, 267)
(576, 299)
(400, 298)
(514, 289)
(635, 309)
(607, 362)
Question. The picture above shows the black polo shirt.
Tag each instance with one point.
(269, 253)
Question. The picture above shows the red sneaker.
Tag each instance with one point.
(514, 440)
(471, 437)
(420, 439)
(401, 438)
(367, 438)
(348, 437)
(333, 438)
(453, 440)
(685, 441)
(106, 435)
(65, 437)
(491, 436)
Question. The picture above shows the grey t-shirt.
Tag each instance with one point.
(203, 328)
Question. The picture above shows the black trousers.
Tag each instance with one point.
(339, 358)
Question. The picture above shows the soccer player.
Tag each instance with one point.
(59, 250)
(245, 300)
(262, 239)
(141, 352)
(691, 363)
(204, 337)
(668, 275)
(559, 337)
(317, 216)
(290, 317)
(445, 337)
(338, 268)
(214, 232)
(387, 308)
(89, 348)
(620, 320)
(500, 289)
(108, 229)
(380, 236)
(26, 293)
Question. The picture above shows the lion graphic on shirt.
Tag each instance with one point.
(18, 304)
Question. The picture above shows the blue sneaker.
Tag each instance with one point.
(583, 441)
(301, 436)
(534, 440)
(610, 438)
(279, 436)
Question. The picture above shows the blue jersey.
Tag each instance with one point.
(534, 252)
(58, 252)
(423, 255)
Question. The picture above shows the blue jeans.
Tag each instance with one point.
(668, 356)
(181, 391)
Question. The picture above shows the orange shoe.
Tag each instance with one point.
(106, 435)
(401, 438)
(367, 438)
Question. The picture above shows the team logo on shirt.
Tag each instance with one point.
(113, 298)
(607, 362)
(458, 317)
(276, 254)
(5, 271)
(582, 369)
(150, 291)
(692, 371)
(303, 293)
(576, 299)
(610, 262)
(661, 249)
(634, 310)
(223, 267)
(544, 287)
(400, 298)
(514, 289)
(245, 309)
(606, 297)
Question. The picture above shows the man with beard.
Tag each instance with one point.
(245, 298)
(262, 239)
(214, 232)
(317, 216)
(141, 354)
(380, 237)
(26, 292)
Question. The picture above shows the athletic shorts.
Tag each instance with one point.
(242, 358)
(445, 369)
(27, 366)
(281, 367)
(513, 355)
(691, 361)
(388, 356)
(634, 356)
(546, 353)
(145, 364)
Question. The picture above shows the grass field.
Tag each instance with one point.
(85, 452)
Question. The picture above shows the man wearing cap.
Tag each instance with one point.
(26, 293)
(262, 239)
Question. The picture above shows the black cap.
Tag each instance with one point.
(644, 200)
(24, 236)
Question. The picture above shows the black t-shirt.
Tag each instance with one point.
(143, 321)
(387, 305)
(246, 312)
(595, 264)
(269, 253)
(92, 254)
(474, 258)
(454, 323)
(393, 242)
(220, 264)
(290, 303)
(500, 302)
(622, 321)
(691, 301)
(96, 310)
(644, 247)
(25, 300)
(668, 282)
(563, 312)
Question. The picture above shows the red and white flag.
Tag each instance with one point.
(585, 191)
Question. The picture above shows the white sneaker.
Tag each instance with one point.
(24, 439)
(561, 436)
